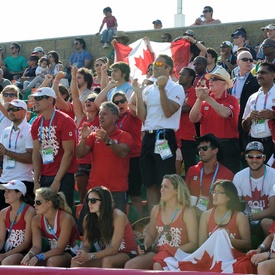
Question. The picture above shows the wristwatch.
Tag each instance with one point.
(110, 142)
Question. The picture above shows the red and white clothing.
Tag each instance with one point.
(197, 188)
(200, 80)
(17, 234)
(94, 125)
(231, 227)
(61, 129)
(272, 230)
(70, 112)
(128, 244)
(53, 235)
(132, 125)
(256, 192)
(212, 122)
(108, 168)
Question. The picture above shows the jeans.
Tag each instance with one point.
(107, 35)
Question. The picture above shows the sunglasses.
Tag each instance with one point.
(38, 202)
(217, 193)
(204, 147)
(9, 95)
(245, 59)
(50, 56)
(251, 156)
(91, 99)
(38, 98)
(214, 79)
(160, 64)
(267, 46)
(205, 11)
(76, 43)
(120, 101)
(93, 200)
(11, 48)
(14, 109)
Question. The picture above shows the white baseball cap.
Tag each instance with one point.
(43, 91)
(15, 185)
(17, 103)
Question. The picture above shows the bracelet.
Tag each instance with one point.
(56, 81)
(269, 254)
(92, 256)
(262, 247)
(40, 257)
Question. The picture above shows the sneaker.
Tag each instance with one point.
(106, 45)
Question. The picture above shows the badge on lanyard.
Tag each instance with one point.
(260, 126)
(10, 163)
(47, 154)
(162, 146)
(203, 203)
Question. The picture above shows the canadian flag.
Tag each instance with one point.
(143, 52)
(216, 254)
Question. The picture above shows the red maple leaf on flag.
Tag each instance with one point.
(143, 63)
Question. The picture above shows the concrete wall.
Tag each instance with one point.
(212, 35)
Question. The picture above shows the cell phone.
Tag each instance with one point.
(142, 247)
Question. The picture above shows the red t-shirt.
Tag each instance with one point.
(109, 169)
(212, 122)
(70, 112)
(132, 125)
(187, 129)
(193, 180)
(200, 80)
(94, 125)
(62, 129)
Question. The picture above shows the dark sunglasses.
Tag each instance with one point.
(267, 46)
(50, 56)
(11, 48)
(76, 43)
(120, 101)
(93, 200)
(204, 147)
(38, 98)
(9, 95)
(37, 202)
(91, 99)
(205, 11)
(245, 59)
(251, 156)
(214, 79)
(14, 109)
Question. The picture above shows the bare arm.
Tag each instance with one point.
(141, 111)
(102, 96)
(20, 157)
(37, 161)
(203, 228)
(82, 149)
(194, 114)
(270, 211)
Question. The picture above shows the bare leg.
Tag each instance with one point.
(267, 267)
(266, 224)
(144, 261)
(115, 261)
(157, 266)
(13, 259)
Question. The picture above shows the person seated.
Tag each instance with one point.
(206, 17)
(3, 81)
(157, 24)
(55, 223)
(173, 225)
(106, 229)
(17, 218)
(38, 51)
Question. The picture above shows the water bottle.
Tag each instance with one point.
(202, 17)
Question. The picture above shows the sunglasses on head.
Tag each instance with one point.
(38, 98)
(14, 109)
(204, 147)
(120, 101)
(37, 202)
(93, 200)
(9, 95)
(245, 59)
(214, 79)
(160, 64)
(251, 156)
(91, 99)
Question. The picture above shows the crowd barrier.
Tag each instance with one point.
(24, 270)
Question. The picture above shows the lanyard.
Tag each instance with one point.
(213, 179)
(250, 182)
(222, 219)
(15, 142)
(18, 212)
(265, 100)
(51, 230)
(86, 91)
(2, 118)
(120, 124)
(49, 129)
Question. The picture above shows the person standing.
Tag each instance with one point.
(16, 148)
(54, 140)
(159, 107)
(258, 116)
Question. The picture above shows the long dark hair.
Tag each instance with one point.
(100, 228)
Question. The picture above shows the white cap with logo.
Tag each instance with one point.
(17, 103)
(43, 91)
(15, 185)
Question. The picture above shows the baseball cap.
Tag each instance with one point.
(223, 74)
(15, 185)
(269, 27)
(43, 91)
(38, 49)
(157, 21)
(189, 33)
(17, 103)
(238, 33)
(226, 44)
(254, 146)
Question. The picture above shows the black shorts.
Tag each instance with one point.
(152, 166)
(83, 170)
(134, 178)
